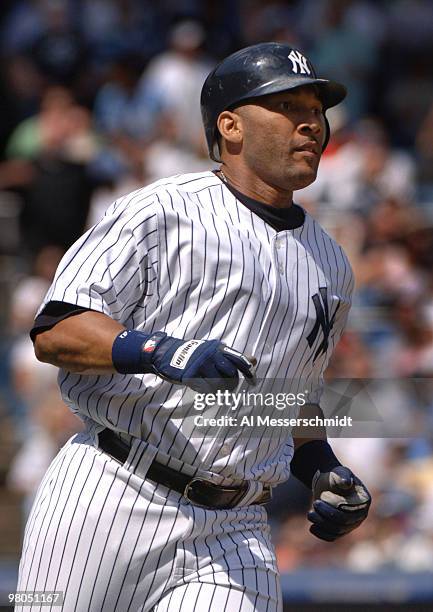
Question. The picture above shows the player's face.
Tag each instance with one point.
(282, 137)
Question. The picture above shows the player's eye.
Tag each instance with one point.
(285, 105)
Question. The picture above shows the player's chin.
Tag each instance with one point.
(304, 176)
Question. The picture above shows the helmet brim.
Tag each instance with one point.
(331, 93)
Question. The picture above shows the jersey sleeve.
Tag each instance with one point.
(114, 266)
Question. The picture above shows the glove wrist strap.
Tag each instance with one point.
(133, 350)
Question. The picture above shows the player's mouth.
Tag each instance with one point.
(310, 149)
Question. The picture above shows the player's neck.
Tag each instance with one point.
(253, 187)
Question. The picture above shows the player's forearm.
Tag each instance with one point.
(81, 343)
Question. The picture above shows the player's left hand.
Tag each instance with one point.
(340, 503)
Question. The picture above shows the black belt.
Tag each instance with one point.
(198, 491)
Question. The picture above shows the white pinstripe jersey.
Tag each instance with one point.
(183, 255)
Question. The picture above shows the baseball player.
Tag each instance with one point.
(182, 288)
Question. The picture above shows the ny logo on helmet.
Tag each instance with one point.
(298, 61)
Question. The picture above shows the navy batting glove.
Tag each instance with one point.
(340, 503)
(204, 365)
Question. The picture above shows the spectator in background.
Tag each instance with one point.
(24, 86)
(176, 76)
(168, 154)
(40, 132)
(49, 158)
(59, 52)
(126, 116)
(115, 28)
(387, 269)
(122, 109)
(347, 53)
(404, 111)
(271, 21)
(414, 357)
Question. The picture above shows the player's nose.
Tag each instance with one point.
(312, 127)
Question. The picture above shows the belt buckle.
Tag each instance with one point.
(190, 484)
(265, 497)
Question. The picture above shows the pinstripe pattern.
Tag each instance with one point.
(213, 269)
(185, 256)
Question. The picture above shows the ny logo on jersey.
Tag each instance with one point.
(320, 301)
(298, 61)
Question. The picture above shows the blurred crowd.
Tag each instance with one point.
(102, 96)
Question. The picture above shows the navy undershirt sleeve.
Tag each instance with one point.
(310, 457)
(53, 313)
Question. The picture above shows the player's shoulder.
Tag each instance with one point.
(164, 190)
(189, 183)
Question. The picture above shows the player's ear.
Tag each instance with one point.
(229, 124)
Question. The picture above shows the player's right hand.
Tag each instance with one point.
(205, 366)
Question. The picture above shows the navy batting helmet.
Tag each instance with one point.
(255, 71)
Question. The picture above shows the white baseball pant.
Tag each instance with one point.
(111, 541)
